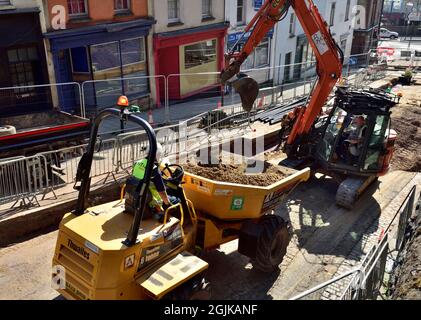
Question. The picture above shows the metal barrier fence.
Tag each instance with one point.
(61, 96)
(62, 164)
(367, 280)
(100, 94)
(23, 179)
(204, 114)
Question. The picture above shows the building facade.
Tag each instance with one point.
(399, 12)
(239, 13)
(402, 16)
(366, 33)
(102, 40)
(22, 58)
(188, 38)
(293, 51)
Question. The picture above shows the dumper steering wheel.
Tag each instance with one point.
(175, 175)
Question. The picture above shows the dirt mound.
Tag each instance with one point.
(406, 120)
(237, 174)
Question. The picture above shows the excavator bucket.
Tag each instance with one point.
(248, 89)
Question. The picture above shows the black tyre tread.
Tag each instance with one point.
(272, 225)
(346, 195)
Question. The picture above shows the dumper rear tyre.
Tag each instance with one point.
(272, 244)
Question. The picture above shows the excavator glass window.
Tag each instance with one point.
(333, 128)
(377, 143)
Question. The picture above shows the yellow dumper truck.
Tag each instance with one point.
(104, 252)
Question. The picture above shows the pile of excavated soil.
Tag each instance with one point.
(406, 120)
(237, 174)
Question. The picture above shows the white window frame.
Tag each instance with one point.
(177, 18)
(79, 14)
(208, 13)
(264, 42)
(292, 25)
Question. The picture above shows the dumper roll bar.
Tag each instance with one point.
(84, 169)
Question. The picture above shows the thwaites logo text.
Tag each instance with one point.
(80, 250)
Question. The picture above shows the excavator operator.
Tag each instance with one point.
(356, 135)
(353, 136)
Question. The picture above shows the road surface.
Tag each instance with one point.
(401, 44)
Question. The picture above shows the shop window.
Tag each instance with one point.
(121, 5)
(124, 59)
(262, 55)
(206, 8)
(132, 51)
(200, 53)
(21, 67)
(249, 63)
(259, 57)
(77, 7)
(173, 11)
(105, 56)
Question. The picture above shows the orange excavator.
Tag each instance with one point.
(354, 143)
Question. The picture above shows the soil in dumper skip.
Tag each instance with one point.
(237, 174)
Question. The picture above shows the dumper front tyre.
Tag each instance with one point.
(272, 243)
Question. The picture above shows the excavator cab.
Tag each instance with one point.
(357, 137)
(357, 140)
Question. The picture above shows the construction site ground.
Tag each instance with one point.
(327, 240)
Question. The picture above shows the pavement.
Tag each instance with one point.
(402, 44)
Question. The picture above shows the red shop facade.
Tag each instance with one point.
(189, 51)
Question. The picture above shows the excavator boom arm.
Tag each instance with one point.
(328, 56)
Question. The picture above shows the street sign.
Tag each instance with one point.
(257, 4)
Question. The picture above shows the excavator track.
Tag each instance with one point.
(350, 190)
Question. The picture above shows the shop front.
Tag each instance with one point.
(260, 58)
(110, 60)
(184, 53)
